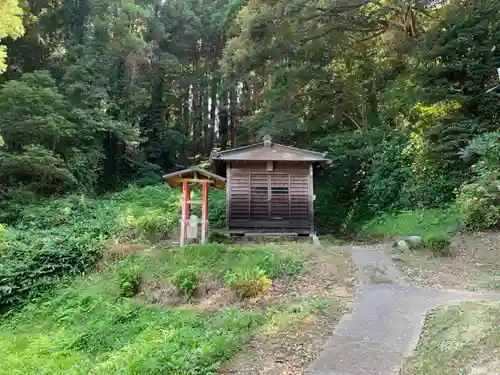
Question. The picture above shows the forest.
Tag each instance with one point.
(97, 95)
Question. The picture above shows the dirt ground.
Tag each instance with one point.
(474, 264)
(287, 349)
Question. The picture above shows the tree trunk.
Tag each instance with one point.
(185, 123)
(233, 111)
(213, 120)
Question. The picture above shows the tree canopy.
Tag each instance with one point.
(11, 25)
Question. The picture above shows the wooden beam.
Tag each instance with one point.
(201, 181)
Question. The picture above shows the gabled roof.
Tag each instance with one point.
(194, 175)
(267, 150)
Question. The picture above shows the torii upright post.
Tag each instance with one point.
(204, 212)
(184, 213)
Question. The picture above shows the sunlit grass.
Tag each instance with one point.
(407, 223)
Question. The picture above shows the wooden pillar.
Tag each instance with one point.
(311, 198)
(184, 213)
(204, 213)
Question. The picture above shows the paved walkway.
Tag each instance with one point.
(386, 318)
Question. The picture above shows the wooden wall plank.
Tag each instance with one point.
(278, 199)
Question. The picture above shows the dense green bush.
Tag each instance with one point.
(479, 203)
(3, 232)
(217, 208)
(186, 280)
(32, 261)
(479, 200)
(129, 280)
(249, 283)
(437, 243)
(388, 173)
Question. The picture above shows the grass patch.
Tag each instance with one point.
(91, 330)
(219, 261)
(89, 325)
(408, 223)
(459, 340)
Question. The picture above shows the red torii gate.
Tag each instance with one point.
(189, 178)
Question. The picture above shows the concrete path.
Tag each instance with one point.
(386, 318)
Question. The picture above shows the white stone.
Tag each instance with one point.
(414, 240)
(315, 240)
(193, 227)
(403, 245)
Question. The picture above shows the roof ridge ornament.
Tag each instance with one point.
(267, 141)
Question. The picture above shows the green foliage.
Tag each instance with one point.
(11, 25)
(409, 223)
(217, 209)
(55, 239)
(389, 172)
(87, 326)
(438, 243)
(3, 233)
(276, 265)
(186, 280)
(479, 201)
(249, 283)
(339, 188)
(51, 147)
(31, 262)
(129, 280)
(123, 101)
(217, 261)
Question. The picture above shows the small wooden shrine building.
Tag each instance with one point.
(269, 188)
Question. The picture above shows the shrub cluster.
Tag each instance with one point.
(437, 243)
(479, 200)
(186, 280)
(129, 280)
(31, 262)
(249, 283)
